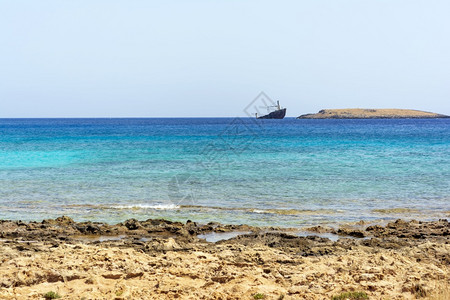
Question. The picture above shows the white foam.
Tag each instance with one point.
(147, 206)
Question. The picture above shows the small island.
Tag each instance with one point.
(361, 113)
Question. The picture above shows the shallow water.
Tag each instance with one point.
(290, 173)
(214, 237)
(331, 236)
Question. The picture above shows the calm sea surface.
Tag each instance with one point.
(269, 172)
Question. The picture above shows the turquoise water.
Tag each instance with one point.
(269, 172)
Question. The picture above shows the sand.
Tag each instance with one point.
(157, 259)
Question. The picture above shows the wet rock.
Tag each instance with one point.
(301, 245)
(191, 227)
(321, 229)
(351, 232)
(132, 224)
(88, 228)
(390, 243)
(412, 229)
(64, 220)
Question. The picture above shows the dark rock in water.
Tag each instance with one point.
(155, 222)
(388, 243)
(375, 228)
(321, 229)
(191, 227)
(88, 228)
(351, 232)
(273, 239)
(304, 246)
(64, 220)
(132, 224)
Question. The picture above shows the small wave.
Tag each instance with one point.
(147, 206)
(171, 206)
(398, 210)
(135, 206)
(84, 206)
(292, 212)
(263, 211)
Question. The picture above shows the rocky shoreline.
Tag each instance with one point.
(160, 259)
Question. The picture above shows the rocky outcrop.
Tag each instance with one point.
(159, 259)
(359, 113)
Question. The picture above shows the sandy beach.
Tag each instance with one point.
(158, 259)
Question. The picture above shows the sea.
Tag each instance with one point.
(286, 173)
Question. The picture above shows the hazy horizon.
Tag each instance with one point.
(211, 59)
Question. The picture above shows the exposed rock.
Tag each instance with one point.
(321, 229)
(132, 224)
(351, 232)
(157, 259)
(411, 229)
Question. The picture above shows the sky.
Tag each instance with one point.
(205, 58)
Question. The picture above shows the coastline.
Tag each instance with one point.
(160, 259)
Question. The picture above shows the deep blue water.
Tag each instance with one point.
(268, 172)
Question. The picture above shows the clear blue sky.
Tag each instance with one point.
(107, 58)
